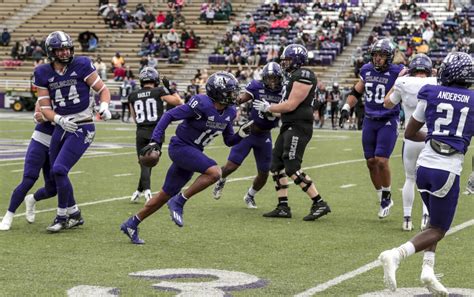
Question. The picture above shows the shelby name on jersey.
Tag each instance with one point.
(147, 105)
(69, 91)
(304, 111)
(257, 91)
(207, 123)
(449, 115)
(377, 85)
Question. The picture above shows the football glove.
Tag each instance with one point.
(261, 105)
(66, 124)
(166, 85)
(104, 111)
(244, 130)
(152, 146)
(345, 111)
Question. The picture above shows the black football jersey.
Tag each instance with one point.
(148, 105)
(304, 111)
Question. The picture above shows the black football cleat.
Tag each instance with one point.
(281, 211)
(318, 210)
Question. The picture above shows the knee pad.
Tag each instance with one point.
(301, 179)
(277, 175)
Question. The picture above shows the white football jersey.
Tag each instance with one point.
(406, 90)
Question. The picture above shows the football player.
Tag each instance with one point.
(296, 131)
(260, 139)
(204, 117)
(470, 181)
(406, 90)
(334, 98)
(36, 159)
(147, 108)
(319, 108)
(63, 94)
(380, 128)
(448, 111)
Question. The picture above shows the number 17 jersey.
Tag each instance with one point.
(377, 85)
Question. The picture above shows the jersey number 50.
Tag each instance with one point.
(377, 95)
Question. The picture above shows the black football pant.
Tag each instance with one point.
(143, 137)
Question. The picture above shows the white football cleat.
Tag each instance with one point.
(390, 260)
(6, 223)
(147, 194)
(250, 201)
(385, 206)
(432, 283)
(407, 224)
(425, 221)
(470, 185)
(135, 196)
(30, 208)
(218, 188)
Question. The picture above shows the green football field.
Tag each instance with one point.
(224, 248)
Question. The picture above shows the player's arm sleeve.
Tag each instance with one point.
(419, 113)
(394, 96)
(178, 113)
(40, 80)
(231, 138)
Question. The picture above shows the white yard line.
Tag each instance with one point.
(347, 186)
(367, 267)
(122, 174)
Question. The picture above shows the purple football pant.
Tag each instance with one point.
(262, 151)
(65, 150)
(36, 158)
(441, 209)
(379, 137)
(186, 160)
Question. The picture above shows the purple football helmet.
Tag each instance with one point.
(272, 76)
(149, 75)
(420, 62)
(59, 40)
(384, 47)
(457, 68)
(222, 87)
(293, 57)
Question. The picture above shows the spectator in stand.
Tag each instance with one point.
(184, 37)
(179, 5)
(404, 5)
(93, 43)
(171, 4)
(148, 21)
(140, 12)
(172, 37)
(38, 53)
(191, 90)
(130, 23)
(227, 8)
(254, 58)
(164, 50)
(6, 36)
(148, 36)
(210, 15)
(180, 20)
(152, 61)
(143, 63)
(169, 20)
(122, 3)
(117, 61)
(101, 68)
(117, 22)
(175, 54)
(428, 34)
(129, 72)
(160, 20)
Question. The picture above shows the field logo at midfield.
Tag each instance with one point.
(221, 283)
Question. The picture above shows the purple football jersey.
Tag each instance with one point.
(449, 115)
(46, 128)
(202, 122)
(69, 92)
(257, 90)
(377, 85)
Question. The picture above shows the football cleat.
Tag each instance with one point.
(147, 194)
(250, 201)
(390, 260)
(30, 203)
(131, 231)
(176, 211)
(74, 220)
(281, 211)
(470, 185)
(432, 283)
(407, 224)
(385, 205)
(135, 196)
(218, 188)
(58, 224)
(6, 224)
(425, 221)
(321, 208)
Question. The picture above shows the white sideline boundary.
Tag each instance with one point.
(367, 267)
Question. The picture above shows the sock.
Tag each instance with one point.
(135, 221)
(429, 259)
(407, 249)
(386, 192)
(72, 210)
(181, 199)
(408, 195)
(252, 192)
(425, 210)
(379, 193)
(283, 201)
(316, 199)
